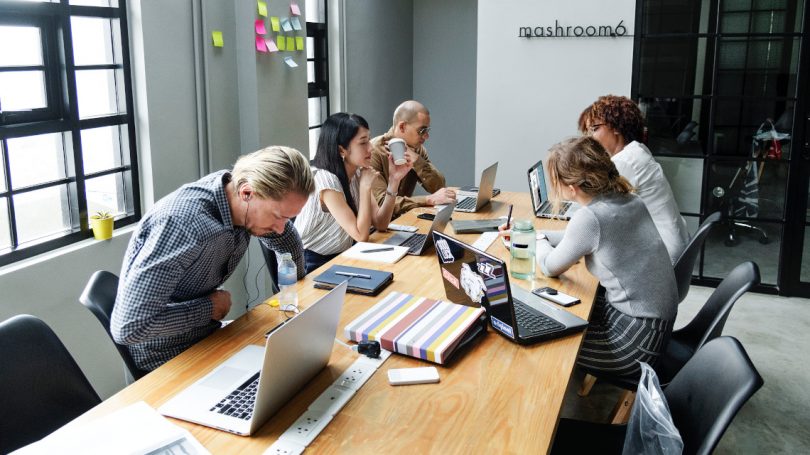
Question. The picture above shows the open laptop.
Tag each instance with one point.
(474, 278)
(250, 386)
(543, 208)
(419, 243)
(474, 201)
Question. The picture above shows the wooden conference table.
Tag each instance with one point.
(496, 397)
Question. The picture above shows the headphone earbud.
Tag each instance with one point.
(246, 197)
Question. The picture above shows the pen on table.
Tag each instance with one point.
(354, 275)
(377, 250)
(509, 216)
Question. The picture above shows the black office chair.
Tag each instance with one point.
(686, 262)
(708, 323)
(704, 397)
(99, 297)
(683, 343)
(41, 386)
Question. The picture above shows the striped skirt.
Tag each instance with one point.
(615, 342)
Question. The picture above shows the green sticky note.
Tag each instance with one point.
(290, 43)
(299, 43)
(274, 23)
(280, 43)
(216, 35)
(262, 8)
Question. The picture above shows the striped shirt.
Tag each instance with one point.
(319, 230)
(184, 248)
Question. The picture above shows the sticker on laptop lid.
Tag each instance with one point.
(449, 277)
(500, 326)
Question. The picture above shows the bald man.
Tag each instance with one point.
(411, 124)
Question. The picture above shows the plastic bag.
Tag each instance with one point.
(650, 429)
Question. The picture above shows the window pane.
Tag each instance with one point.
(685, 176)
(41, 213)
(314, 134)
(5, 233)
(22, 90)
(672, 66)
(673, 17)
(36, 159)
(101, 148)
(27, 48)
(674, 125)
(316, 110)
(92, 40)
(310, 47)
(314, 11)
(747, 189)
(97, 93)
(739, 121)
(104, 194)
(2, 169)
(310, 71)
(113, 3)
(727, 247)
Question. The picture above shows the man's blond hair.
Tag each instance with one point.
(273, 172)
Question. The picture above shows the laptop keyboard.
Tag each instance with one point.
(468, 203)
(533, 323)
(549, 208)
(239, 403)
(414, 242)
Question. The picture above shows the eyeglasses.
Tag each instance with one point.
(423, 131)
(594, 128)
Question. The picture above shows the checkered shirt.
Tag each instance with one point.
(184, 248)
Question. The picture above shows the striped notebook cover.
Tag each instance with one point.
(415, 326)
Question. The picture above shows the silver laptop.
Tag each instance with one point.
(543, 208)
(474, 201)
(245, 390)
(419, 243)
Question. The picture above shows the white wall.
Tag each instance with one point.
(530, 92)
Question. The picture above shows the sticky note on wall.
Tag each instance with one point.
(260, 28)
(274, 24)
(290, 43)
(261, 46)
(262, 7)
(299, 43)
(295, 9)
(216, 36)
(281, 43)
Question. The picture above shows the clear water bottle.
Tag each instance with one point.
(287, 277)
(523, 250)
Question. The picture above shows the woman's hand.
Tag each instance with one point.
(505, 230)
(367, 176)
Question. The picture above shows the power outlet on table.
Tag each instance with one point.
(355, 376)
(332, 400)
(304, 430)
(284, 448)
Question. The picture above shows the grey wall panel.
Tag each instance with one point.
(379, 59)
(444, 69)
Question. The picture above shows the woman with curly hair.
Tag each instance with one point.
(616, 123)
(621, 246)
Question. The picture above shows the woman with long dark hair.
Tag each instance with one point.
(342, 209)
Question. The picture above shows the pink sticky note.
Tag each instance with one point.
(260, 44)
(294, 8)
(260, 29)
(271, 45)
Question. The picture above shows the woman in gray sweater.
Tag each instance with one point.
(615, 234)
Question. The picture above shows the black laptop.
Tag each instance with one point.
(419, 243)
(474, 278)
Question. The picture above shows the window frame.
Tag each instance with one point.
(62, 117)
(318, 31)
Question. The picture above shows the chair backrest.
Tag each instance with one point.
(702, 413)
(708, 323)
(99, 297)
(41, 386)
(686, 262)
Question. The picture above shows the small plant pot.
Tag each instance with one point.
(102, 228)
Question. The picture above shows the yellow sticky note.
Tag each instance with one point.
(262, 8)
(216, 35)
(274, 23)
(290, 43)
(299, 43)
(280, 43)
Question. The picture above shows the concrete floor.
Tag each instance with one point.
(775, 333)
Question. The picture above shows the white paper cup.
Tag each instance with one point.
(397, 147)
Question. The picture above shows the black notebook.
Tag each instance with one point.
(361, 281)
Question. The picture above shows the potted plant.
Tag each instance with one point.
(102, 225)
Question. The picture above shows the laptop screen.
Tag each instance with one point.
(537, 186)
(476, 279)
